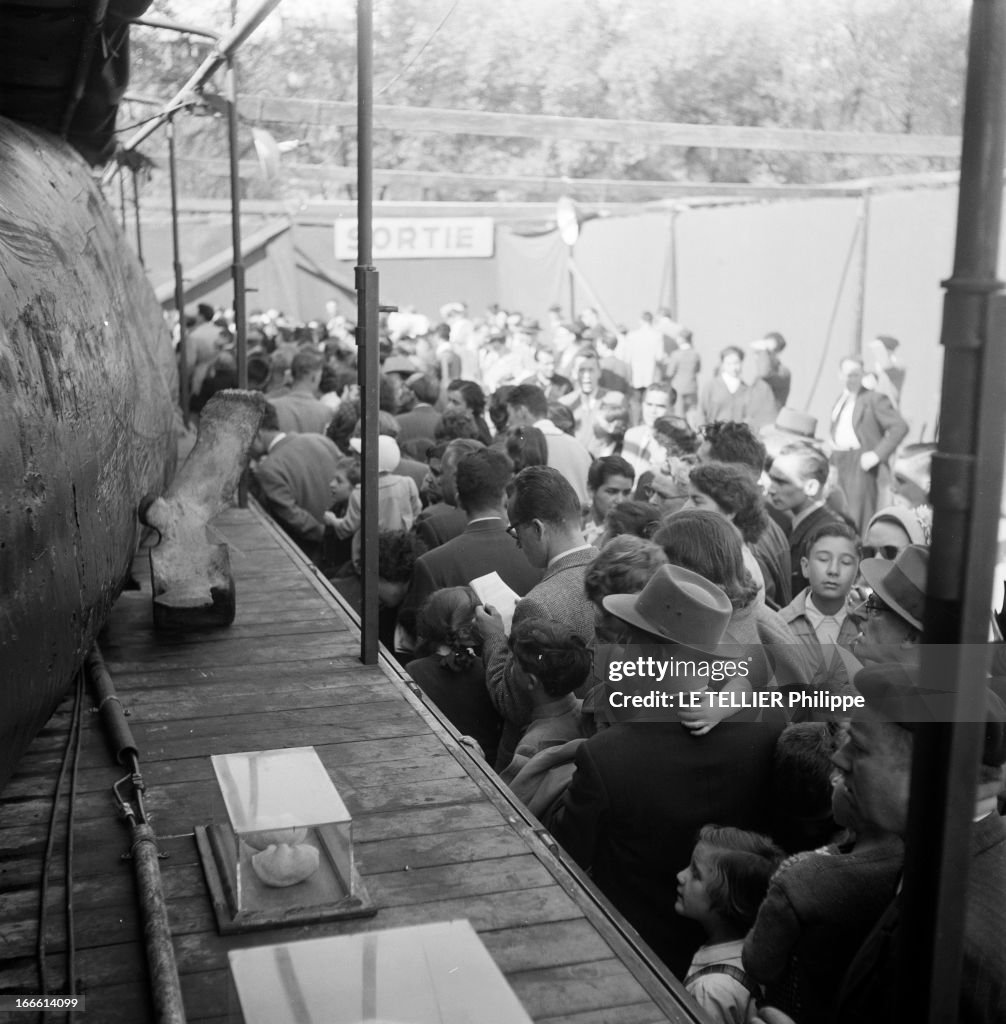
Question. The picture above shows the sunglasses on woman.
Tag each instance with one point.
(886, 551)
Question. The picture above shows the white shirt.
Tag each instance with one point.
(725, 999)
(842, 432)
(827, 627)
(732, 384)
(642, 349)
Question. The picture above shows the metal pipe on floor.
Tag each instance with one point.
(165, 986)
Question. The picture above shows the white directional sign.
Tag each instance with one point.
(420, 238)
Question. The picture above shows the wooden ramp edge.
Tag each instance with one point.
(437, 836)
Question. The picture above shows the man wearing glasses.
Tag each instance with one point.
(668, 491)
(894, 610)
(544, 514)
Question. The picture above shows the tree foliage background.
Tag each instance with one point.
(853, 65)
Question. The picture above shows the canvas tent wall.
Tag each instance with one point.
(828, 273)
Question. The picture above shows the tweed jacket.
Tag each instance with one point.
(293, 480)
(301, 413)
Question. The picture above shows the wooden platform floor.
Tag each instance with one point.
(436, 838)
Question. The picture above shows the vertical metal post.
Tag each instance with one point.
(136, 219)
(673, 283)
(367, 322)
(183, 357)
(572, 288)
(856, 347)
(122, 199)
(966, 488)
(238, 266)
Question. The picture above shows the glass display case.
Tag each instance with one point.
(286, 854)
(426, 974)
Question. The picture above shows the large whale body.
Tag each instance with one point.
(87, 421)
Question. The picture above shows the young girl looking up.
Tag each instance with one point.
(722, 889)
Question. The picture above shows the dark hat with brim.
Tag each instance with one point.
(677, 605)
(901, 584)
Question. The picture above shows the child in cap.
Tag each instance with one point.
(722, 889)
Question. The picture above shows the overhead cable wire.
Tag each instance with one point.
(387, 85)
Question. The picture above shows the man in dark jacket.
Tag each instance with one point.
(485, 546)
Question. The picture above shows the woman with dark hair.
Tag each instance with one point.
(706, 543)
(457, 423)
(562, 416)
(624, 566)
(498, 411)
(343, 424)
(676, 437)
(449, 670)
(526, 446)
(632, 518)
(729, 491)
(551, 662)
(466, 394)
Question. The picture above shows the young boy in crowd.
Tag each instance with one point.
(339, 549)
(819, 616)
(722, 889)
(551, 661)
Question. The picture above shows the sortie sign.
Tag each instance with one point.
(420, 238)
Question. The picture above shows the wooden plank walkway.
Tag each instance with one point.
(436, 837)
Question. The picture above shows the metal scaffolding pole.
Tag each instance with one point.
(967, 476)
(183, 356)
(366, 330)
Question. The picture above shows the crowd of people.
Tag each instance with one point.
(557, 500)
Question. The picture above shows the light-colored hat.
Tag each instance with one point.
(388, 452)
(678, 605)
(901, 584)
(790, 427)
(792, 421)
(399, 364)
(905, 518)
